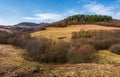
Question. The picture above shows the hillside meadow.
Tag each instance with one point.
(66, 32)
(92, 52)
(13, 63)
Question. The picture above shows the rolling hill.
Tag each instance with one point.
(30, 24)
(79, 19)
(66, 32)
(15, 61)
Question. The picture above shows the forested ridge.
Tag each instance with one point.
(81, 19)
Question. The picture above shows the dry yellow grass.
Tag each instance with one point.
(12, 62)
(108, 66)
(56, 32)
(79, 70)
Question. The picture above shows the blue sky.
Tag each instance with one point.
(15, 11)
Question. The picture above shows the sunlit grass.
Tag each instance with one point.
(56, 32)
(108, 57)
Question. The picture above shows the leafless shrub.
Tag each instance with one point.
(84, 54)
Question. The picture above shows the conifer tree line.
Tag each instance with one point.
(88, 19)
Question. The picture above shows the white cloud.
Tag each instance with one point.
(51, 17)
(100, 9)
(90, 7)
(74, 12)
(44, 17)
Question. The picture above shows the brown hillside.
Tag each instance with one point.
(86, 19)
(12, 63)
(54, 33)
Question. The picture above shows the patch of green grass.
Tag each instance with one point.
(106, 56)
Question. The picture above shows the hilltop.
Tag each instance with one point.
(86, 19)
(23, 27)
(30, 24)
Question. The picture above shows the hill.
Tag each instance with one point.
(12, 62)
(30, 24)
(66, 32)
(86, 19)
(18, 62)
(23, 27)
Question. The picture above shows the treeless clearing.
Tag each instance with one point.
(57, 32)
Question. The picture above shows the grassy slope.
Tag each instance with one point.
(80, 70)
(55, 33)
(108, 66)
(12, 62)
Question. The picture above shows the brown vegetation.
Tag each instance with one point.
(12, 62)
(78, 70)
(115, 48)
(115, 23)
(86, 19)
(100, 39)
(85, 54)
(54, 33)
(84, 47)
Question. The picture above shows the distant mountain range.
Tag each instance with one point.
(23, 27)
(30, 24)
(71, 20)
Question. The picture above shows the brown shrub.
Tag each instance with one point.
(88, 34)
(115, 48)
(100, 39)
(85, 54)
(44, 50)
(57, 52)
(36, 49)
(103, 41)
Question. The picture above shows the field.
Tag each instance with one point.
(12, 63)
(57, 32)
(13, 60)
(81, 70)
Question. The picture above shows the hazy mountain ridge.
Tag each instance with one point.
(22, 27)
(71, 20)
(30, 24)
